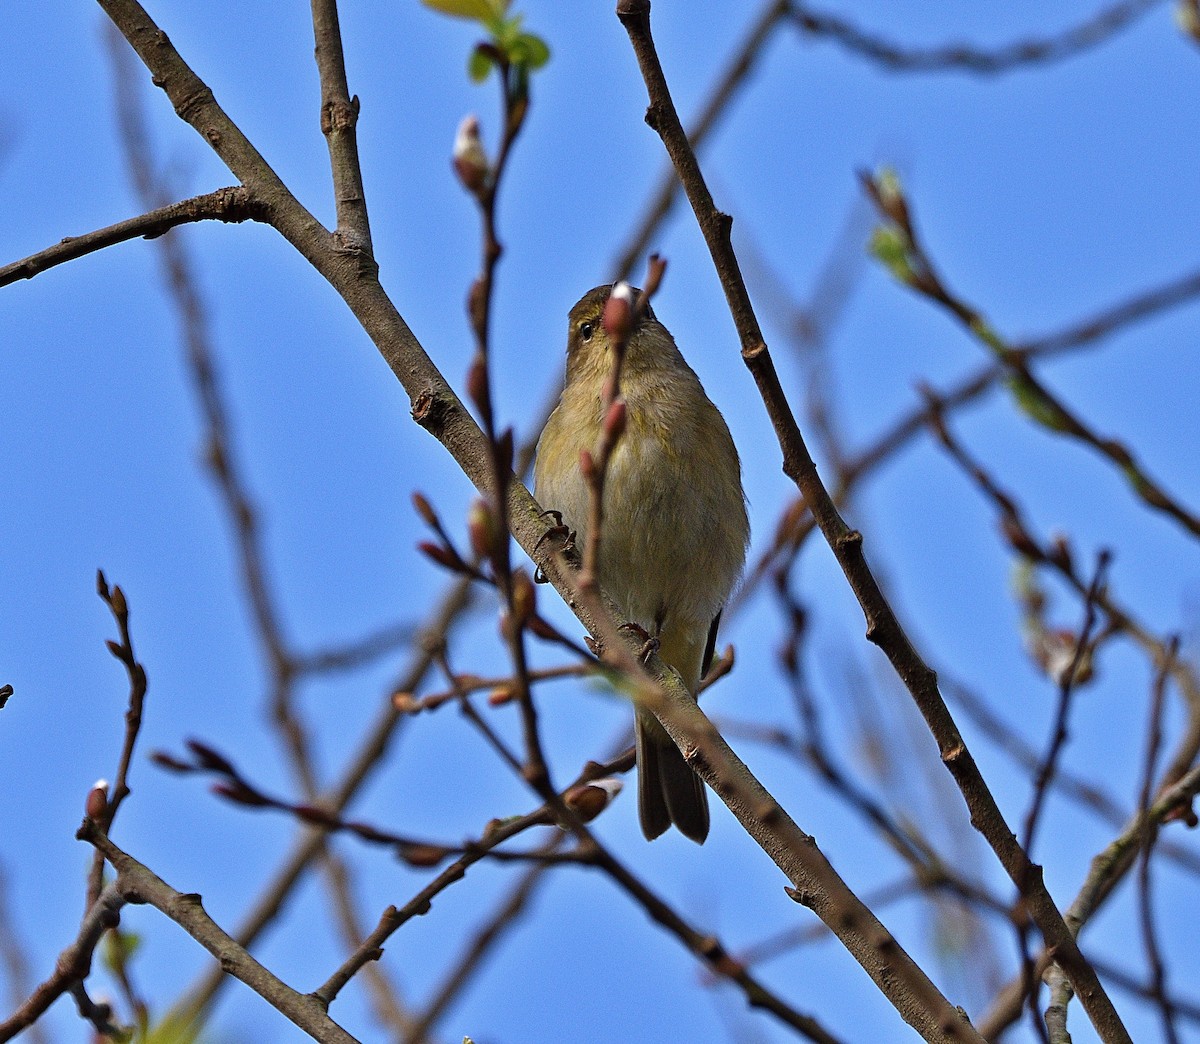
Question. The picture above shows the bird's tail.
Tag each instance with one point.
(668, 790)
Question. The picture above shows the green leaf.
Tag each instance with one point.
(890, 245)
(119, 948)
(506, 30)
(473, 10)
(479, 65)
(529, 50)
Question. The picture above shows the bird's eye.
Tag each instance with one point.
(586, 331)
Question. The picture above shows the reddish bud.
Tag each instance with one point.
(524, 597)
(587, 465)
(421, 855)
(443, 556)
(499, 696)
(590, 799)
(405, 702)
(470, 161)
(96, 803)
(481, 525)
(618, 312)
(424, 509)
(117, 601)
(614, 420)
(172, 764)
(208, 758)
(477, 383)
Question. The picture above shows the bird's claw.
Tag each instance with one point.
(558, 531)
(650, 642)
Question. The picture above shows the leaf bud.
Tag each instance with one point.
(470, 161)
(590, 799)
(618, 312)
(97, 800)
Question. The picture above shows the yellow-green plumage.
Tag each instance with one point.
(675, 525)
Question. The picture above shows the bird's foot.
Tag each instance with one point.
(558, 531)
(650, 642)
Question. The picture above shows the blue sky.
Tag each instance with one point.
(1044, 195)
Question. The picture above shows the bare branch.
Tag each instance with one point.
(136, 883)
(963, 57)
(74, 964)
(234, 204)
(1158, 968)
(914, 267)
(115, 599)
(883, 628)
(311, 843)
(339, 117)
(737, 73)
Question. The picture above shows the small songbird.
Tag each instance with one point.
(675, 528)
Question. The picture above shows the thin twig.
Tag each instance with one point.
(706, 947)
(1091, 33)
(514, 589)
(122, 649)
(73, 966)
(736, 74)
(284, 665)
(911, 263)
(1107, 870)
(1154, 958)
(595, 464)
(233, 204)
(503, 920)
(369, 753)
(339, 117)
(1067, 679)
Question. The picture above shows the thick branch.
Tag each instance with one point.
(138, 884)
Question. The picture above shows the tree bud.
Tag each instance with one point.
(424, 509)
(614, 420)
(618, 312)
(470, 161)
(97, 800)
(481, 525)
(590, 799)
(524, 597)
(587, 465)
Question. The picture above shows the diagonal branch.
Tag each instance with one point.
(136, 883)
(439, 411)
(73, 965)
(883, 628)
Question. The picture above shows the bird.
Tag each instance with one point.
(675, 526)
